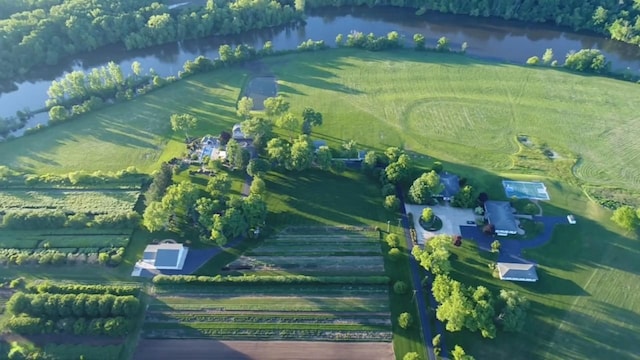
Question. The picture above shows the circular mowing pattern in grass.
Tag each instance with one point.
(434, 225)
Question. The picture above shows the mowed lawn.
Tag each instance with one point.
(135, 133)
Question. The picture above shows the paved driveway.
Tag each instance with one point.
(511, 249)
(452, 219)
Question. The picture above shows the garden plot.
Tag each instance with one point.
(95, 202)
(323, 250)
(344, 318)
(348, 307)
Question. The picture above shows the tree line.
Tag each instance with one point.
(73, 312)
(618, 19)
(41, 32)
(464, 307)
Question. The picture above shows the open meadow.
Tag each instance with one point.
(486, 121)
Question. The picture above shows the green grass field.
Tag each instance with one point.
(465, 112)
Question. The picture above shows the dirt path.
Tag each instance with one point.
(261, 350)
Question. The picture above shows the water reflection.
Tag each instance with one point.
(487, 38)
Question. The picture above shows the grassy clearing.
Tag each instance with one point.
(136, 133)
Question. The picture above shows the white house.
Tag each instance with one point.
(165, 256)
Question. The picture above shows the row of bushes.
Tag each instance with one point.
(106, 256)
(57, 306)
(130, 175)
(50, 351)
(62, 288)
(56, 219)
(269, 279)
(112, 326)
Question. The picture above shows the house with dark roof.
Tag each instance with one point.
(500, 215)
(236, 132)
(517, 272)
(165, 256)
(451, 183)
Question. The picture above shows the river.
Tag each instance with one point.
(493, 39)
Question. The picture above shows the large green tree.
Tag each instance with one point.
(512, 310)
(183, 122)
(626, 217)
(301, 154)
(245, 105)
(424, 187)
(276, 106)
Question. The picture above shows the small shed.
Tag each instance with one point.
(517, 272)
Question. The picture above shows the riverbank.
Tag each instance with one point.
(489, 38)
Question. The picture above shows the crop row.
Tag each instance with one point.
(315, 239)
(69, 200)
(377, 303)
(65, 241)
(267, 326)
(270, 334)
(301, 289)
(279, 318)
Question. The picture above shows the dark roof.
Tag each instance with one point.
(167, 257)
(451, 184)
(517, 272)
(318, 143)
(149, 255)
(499, 214)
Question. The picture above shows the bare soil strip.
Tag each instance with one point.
(261, 350)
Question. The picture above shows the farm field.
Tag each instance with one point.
(466, 112)
(318, 312)
(85, 201)
(330, 251)
(271, 350)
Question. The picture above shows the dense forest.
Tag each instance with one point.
(41, 32)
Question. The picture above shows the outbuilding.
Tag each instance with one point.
(517, 272)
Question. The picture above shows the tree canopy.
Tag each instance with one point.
(183, 122)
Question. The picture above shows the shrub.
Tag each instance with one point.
(530, 209)
(17, 283)
(427, 215)
(395, 254)
(268, 279)
(405, 320)
(400, 287)
(534, 60)
(388, 189)
(411, 356)
(393, 240)
(392, 203)
(63, 288)
(32, 220)
(436, 341)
